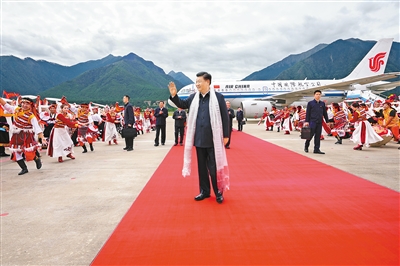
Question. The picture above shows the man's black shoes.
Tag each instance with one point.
(125, 148)
(306, 149)
(129, 149)
(156, 144)
(201, 196)
(319, 152)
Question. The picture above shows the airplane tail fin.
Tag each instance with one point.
(374, 63)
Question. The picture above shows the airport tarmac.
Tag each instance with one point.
(63, 213)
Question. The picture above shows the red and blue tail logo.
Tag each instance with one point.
(376, 62)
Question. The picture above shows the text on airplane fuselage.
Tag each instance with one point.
(278, 84)
(274, 86)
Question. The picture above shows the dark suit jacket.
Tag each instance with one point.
(161, 118)
(231, 115)
(239, 115)
(129, 118)
(203, 137)
(179, 122)
(315, 112)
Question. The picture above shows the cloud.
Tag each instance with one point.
(227, 38)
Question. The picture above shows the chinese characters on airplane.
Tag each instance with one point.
(275, 86)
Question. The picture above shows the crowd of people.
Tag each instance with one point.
(364, 123)
(28, 126)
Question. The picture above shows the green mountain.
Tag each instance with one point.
(106, 80)
(336, 60)
(272, 71)
(182, 78)
(333, 61)
(131, 75)
(103, 81)
(28, 76)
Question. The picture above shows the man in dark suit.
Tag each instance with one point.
(231, 115)
(4, 136)
(315, 113)
(180, 119)
(239, 118)
(129, 121)
(161, 114)
(203, 132)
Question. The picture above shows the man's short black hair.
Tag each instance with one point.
(205, 75)
(127, 96)
(317, 91)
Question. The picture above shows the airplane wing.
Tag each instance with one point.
(384, 87)
(335, 85)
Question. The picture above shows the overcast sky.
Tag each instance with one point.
(229, 39)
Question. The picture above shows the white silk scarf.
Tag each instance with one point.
(218, 140)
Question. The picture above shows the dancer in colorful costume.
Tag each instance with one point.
(87, 133)
(363, 134)
(390, 120)
(60, 142)
(340, 123)
(110, 130)
(24, 129)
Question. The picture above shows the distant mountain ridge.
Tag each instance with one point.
(333, 61)
(182, 78)
(129, 75)
(32, 77)
(106, 80)
(273, 71)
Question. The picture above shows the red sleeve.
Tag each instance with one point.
(109, 118)
(355, 117)
(67, 121)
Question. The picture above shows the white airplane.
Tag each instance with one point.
(253, 96)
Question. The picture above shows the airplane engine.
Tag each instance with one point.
(254, 109)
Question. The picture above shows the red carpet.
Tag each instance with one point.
(282, 209)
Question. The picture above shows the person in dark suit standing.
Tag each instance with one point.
(315, 113)
(129, 121)
(239, 118)
(207, 130)
(231, 115)
(180, 119)
(4, 136)
(161, 114)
